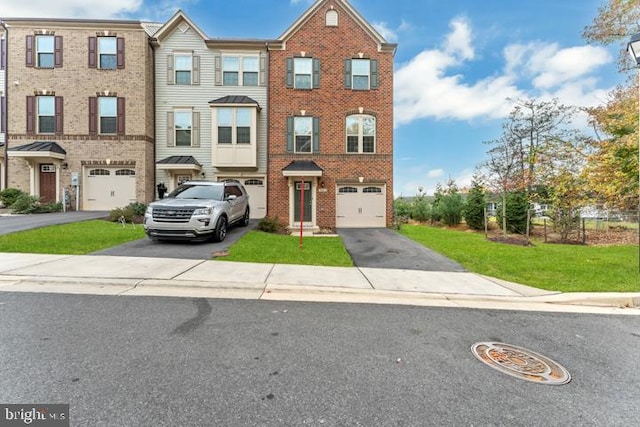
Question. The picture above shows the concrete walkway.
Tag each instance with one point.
(108, 275)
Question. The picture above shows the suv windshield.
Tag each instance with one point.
(191, 191)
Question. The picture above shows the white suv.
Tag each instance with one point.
(198, 210)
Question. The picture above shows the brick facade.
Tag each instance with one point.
(76, 82)
(332, 103)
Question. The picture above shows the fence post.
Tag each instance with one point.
(584, 231)
(545, 230)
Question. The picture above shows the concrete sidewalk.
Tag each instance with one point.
(107, 275)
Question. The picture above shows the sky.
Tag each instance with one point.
(459, 66)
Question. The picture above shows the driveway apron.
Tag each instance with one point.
(384, 248)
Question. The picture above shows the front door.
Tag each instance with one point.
(308, 203)
(47, 183)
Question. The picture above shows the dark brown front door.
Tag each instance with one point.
(47, 183)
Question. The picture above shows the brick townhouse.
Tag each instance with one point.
(331, 121)
(78, 111)
(305, 120)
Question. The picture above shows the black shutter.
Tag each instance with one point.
(316, 73)
(290, 134)
(316, 134)
(29, 48)
(374, 74)
(93, 115)
(347, 74)
(289, 72)
(120, 120)
(31, 114)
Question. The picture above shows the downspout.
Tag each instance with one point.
(5, 112)
(153, 102)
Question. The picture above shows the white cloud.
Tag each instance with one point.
(435, 173)
(386, 32)
(428, 87)
(69, 8)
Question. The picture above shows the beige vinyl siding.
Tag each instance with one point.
(170, 96)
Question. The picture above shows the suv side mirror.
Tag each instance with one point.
(231, 197)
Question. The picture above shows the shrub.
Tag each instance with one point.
(421, 209)
(450, 208)
(10, 195)
(516, 212)
(474, 207)
(272, 225)
(402, 207)
(133, 213)
(26, 204)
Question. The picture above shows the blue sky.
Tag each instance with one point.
(457, 62)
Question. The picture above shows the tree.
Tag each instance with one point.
(450, 205)
(475, 205)
(513, 212)
(612, 168)
(616, 21)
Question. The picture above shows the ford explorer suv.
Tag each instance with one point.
(198, 210)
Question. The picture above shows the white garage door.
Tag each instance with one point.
(360, 206)
(257, 191)
(106, 189)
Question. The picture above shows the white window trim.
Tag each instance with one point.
(38, 115)
(296, 59)
(354, 75)
(234, 127)
(99, 53)
(361, 118)
(38, 51)
(240, 70)
(100, 116)
(295, 145)
(176, 55)
(175, 127)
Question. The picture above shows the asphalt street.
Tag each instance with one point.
(142, 361)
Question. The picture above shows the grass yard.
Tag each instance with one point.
(565, 268)
(78, 238)
(257, 246)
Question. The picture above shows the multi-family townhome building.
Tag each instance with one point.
(211, 109)
(3, 106)
(79, 110)
(331, 121)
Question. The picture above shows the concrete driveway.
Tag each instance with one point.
(13, 223)
(148, 248)
(384, 248)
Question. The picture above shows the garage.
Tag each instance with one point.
(108, 188)
(257, 191)
(360, 206)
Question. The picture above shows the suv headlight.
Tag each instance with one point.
(149, 211)
(203, 211)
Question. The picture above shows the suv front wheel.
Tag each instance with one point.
(220, 231)
(245, 219)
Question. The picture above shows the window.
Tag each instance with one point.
(240, 70)
(372, 190)
(331, 18)
(183, 128)
(303, 134)
(183, 69)
(99, 172)
(125, 172)
(46, 114)
(108, 114)
(234, 125)
(361, 74)
(303, 73)
(345, 190)
(44, 51)
(107, 52)
(361, 133)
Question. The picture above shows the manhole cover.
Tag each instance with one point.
(521, 363)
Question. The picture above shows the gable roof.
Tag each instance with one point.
(353, 13)
(178, 18)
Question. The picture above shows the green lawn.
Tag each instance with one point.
(565, 268)
(73, 239)
(257, 246)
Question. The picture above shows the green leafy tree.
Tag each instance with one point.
(513, 214)
(475, 205)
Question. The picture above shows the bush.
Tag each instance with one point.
(517, 206)
(272, 225)
(420, 209)
(133, 213)
(402, 207)
(474, 207)
(450, 209)
(10, 195)
(26, 204)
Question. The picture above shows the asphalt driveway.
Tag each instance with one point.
(13, 223)
(384, 248)
(148, 248)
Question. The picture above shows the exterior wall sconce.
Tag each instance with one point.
(65, 166)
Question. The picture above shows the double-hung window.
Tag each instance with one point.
(183, 127)
(107, 52)
(108, 114)
(183, 68)
(240, 70)
(46, 114)
(302, 70)
(234, 125)
(361, 133)
(44, 51)
(361, 74)
(303, 134)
